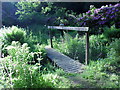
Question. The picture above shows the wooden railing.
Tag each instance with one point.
(83, 29)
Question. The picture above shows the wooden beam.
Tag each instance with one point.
(69, 28)
(0, 49)
(85, 29)
(50, 35)
(87, 48)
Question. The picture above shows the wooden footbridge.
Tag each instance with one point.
(66, 63)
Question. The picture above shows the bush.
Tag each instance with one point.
(111, 33)
(31, 79)
(40, 31)
(19, 52)
(75, 47)
(105, 71)
(13, 34)
(114, 53)
(17, 73)
(99, 17)
(97, 47)
(21, 75)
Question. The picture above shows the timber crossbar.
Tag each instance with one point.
(83, 29)
(69, 28)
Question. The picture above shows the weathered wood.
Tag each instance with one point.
(87, 48)
(69, 28)
(85, 29)
(66, 63)
(50, 35)
(0, 49)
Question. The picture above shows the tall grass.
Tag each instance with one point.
(74, 47)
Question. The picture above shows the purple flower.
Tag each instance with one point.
(103, 18)
(92, 15)
(113, 8)
(107, 15)
(88, 12)
(109, 11)
(112, 12)
(101, 22)
(96, 11)
(113, 16)
(81, 24)
(84, 23)
(110, 5)
(97, 17)
(106, 8)
(117, 10)
(117, 5)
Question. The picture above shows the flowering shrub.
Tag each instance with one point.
(98, 17)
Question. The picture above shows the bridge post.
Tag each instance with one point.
(62, 31)
(50, 35)
(0, 49)
(87, 48)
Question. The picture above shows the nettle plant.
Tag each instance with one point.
(98, 17)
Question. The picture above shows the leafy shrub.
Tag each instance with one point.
(40, 31)
(111, 33)
(43, 55)
(13, 34)
(114, 53)
(114, 47)
(19, 74)
(10, 34)
(105, 71)
(75, 47)
(18, 52)
(34, 79)
(97, 47)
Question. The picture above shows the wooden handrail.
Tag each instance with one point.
(69, 28)
(84, 29)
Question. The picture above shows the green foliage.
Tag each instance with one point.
(75, 47)
(97, 47)
(21, 75)
(17, 73)
(43, 13)
(36, 80)
(114, 53)
(19, 52)
(111, 33)
(105, 71)
(27, 9)
(18, 34)
(13, 34)
(40, 31)
(96, 73)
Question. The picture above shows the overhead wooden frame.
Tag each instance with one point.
(69, 28)
(83, 29)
